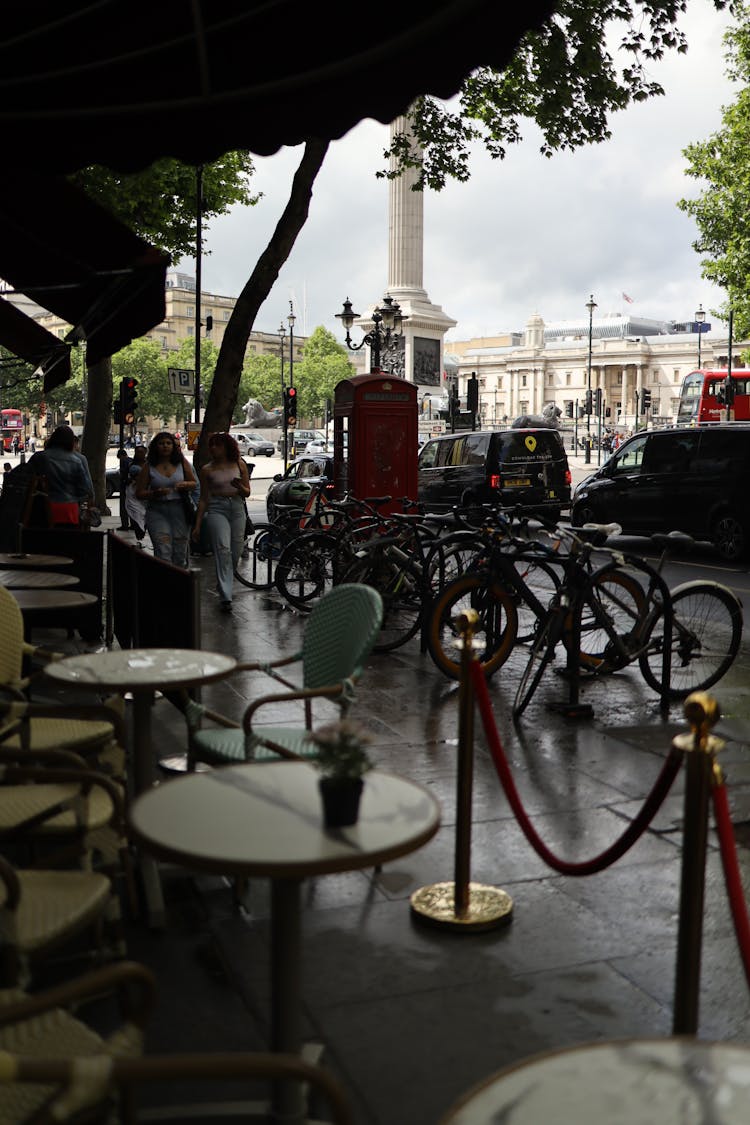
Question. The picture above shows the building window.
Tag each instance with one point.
(227, 314)
(191, 329)
(164, 341)
(482, 383)
(676, 373)
(523, 380)
(567, 378)
(190, 310)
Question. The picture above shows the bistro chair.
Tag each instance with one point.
(339, 635)
(95, 731)
(34, 1028)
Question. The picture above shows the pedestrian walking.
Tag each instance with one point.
(224, 484)
(162, 480)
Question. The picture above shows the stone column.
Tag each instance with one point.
(405, 226)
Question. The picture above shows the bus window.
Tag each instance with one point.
(702, 397)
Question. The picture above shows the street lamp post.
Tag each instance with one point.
(386, 326)
(590, 305)
(291, 319)
(282, 334)
(700, 316)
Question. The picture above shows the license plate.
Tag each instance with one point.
(518, 482)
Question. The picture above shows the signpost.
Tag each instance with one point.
(181, 381)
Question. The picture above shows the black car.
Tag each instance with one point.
(513, 467)
(293, 487)
(691, 480)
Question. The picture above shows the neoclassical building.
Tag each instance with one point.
(520, 372)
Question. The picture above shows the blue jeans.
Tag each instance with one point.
(169, 531)
(225, 520)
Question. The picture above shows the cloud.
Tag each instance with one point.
(527, 234)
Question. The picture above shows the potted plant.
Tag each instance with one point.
(343, 761)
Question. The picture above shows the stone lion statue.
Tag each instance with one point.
(256, 415)
(549, 419)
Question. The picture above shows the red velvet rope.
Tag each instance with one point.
(634, 830)
(732, 874)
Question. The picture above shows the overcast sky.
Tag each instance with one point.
(525, 235)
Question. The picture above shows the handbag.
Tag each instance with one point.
(189, 506)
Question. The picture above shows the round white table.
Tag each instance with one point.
(20, 559)
(27, 579)
(143, 672)
(266, 818)
(675, 1081)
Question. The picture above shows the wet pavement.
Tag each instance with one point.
(411, 1016)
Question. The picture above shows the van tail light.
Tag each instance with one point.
(568, 477)
(495, 480)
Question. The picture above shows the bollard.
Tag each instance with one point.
(463, 905)
(700, 747)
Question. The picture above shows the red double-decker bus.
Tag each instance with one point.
(11, 426)
(704, 397)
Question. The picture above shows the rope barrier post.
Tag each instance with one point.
(463, 905)
(702, 712)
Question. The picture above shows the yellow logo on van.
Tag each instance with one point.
(530, 442)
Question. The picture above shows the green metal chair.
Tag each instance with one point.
(340, 633)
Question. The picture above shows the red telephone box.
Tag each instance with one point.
(375, 438)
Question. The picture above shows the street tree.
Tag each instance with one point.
(722, 208)
(325, 363)
(160, 204)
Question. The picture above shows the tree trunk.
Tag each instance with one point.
(223, 396)
(97, 426)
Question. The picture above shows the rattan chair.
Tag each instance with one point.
(339, 635)
(94, 730)
(35, 1028)
(54, 812)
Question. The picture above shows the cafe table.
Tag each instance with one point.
(142, 672)
(24, 579)
(265, 819)
(19, 559)
(34, 604)
(672, 1081)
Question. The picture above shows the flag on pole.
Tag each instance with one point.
(626, 298)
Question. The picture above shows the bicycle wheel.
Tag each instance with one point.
(543, 582)
(611, 608)
(542, 653)
(495, 632)
(263, 547)
(706, 634)
(450, 559)
(399, 584)
(305, 569)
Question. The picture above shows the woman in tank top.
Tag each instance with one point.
(165, 475)
(225, 483)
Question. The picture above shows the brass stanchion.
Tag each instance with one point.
(463, 905)
(701, 747)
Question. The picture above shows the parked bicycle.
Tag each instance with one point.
(683, 640)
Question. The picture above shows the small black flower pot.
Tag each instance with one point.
(340, 796)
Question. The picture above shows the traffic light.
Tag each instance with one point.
(569, 409)
(728, 392)
(472, 394)
(598, 400)
(290, 407)
(589, 407)
(645, 400)
(128, 400)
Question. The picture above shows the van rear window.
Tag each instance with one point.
(542, 445)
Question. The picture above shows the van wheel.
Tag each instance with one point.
(730, 538)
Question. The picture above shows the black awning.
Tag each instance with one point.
(123, 82)
(22, 335)
(73, 258)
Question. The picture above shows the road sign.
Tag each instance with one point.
(181, 380)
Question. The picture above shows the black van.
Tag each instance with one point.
(692, 480)
(526, 467)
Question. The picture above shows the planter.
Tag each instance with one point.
(340, 796)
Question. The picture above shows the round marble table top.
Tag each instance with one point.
(22, 559)
(29, 600)
(132, 668)
(266, 818)
(24, 579)
(677, 1081)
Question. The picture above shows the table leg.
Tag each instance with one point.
(144, 775)
(286, 976)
